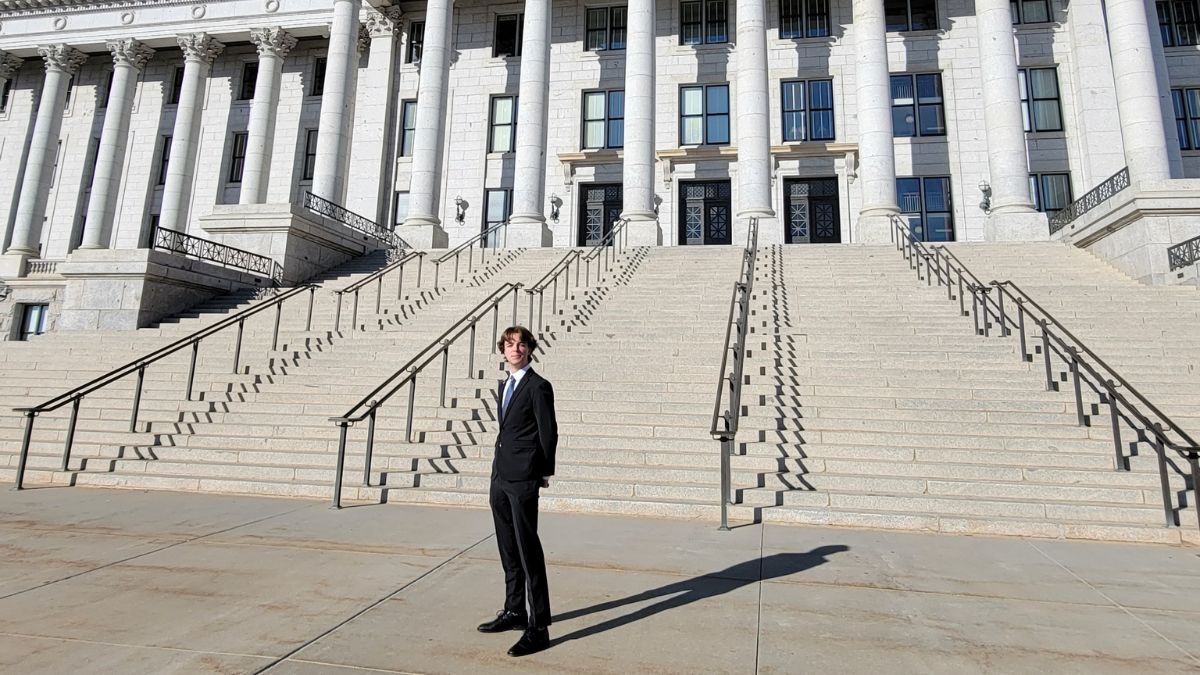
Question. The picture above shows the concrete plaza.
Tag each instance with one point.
(131, 582)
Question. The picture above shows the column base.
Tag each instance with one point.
(526, 231)
(874, 227)
(642, 228)
(12, 265)
(1017, 226)
(423, 233)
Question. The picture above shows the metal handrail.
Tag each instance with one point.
(139, 365)
(377, 277)
(1184, 253)
(469, 246)
(617, 238)
(211, 251)
(352, 220)
(550, 280)
(1100, 377)
(725, 425)
(368, 407)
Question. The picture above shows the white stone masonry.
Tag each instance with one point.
(638, 176)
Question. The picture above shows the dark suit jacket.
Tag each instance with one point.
(528, 434)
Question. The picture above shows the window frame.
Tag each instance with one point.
(487, 224)
(519, 20)
(924, 211)
(237, 157)
(1187, 116)
(164, 159)
(804, 16)
(917, 106)
(492, 124)
(408, 126)
(705, 115)
(308, 168)
(105, 92)
(606, 121)
(42, 310)
(908, 14)
(320, 65)
(176, 92)
(1170, 24)
(6, 94)
(1017, 11)
(249, 81)
(416, 42)
(806, 111)
(608, 41)
(396, 219)
(1037, 190)
(1029, 117)
(706, 25)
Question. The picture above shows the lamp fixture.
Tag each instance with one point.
(555, 206)
(461, 206)
(986, 203)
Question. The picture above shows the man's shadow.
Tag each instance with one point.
(699, 588)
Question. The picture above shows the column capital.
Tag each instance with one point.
(200, 47)
(63, 58)
(130, 52)
(273, 41)
(384, 22)
(9, 65)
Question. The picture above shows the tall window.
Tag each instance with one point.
(604, 119)
(6, 94)
(310, 155)
(497, 207)
(904, 15)
(408, 123)
(706, 21)
(1179, 22)
(249, 79)
(70, 93)
(1051, 192)
(401, 210)
(808, 110)
(917, 105)
(606, 28)
(163, 159)
(508, 35)
(416, 41)
(502, 134)
(176, 87)
(318, 78)
(925, 204)
(803, 18)
(237, 156)
(105, 91)
(1187, 117)
(1029, 11)
(1040, 108)
(33, 320)
(704, 115)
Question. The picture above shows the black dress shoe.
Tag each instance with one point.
(534, 640)
(505, 620)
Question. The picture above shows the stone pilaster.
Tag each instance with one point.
(273, 45)
(337, 102)
(638, 193)
(199, 51)
(422, 228)
(527, 227)
(877, 154)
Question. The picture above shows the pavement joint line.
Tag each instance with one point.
(105, 643)
(371, 606)
(1116, 604)
(152, 552)
(364, 669)
(762, 535)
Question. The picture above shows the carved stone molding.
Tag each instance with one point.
(364, 38)
(384, 22)
(9, 65)
(130, 52)
(62, 57)
(273, 41)
(200, 46)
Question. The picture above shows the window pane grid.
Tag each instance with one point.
(1179, 22)
(690, 23)
(237, 157)
(704, 115)
(807, 110)
(910, 15)
(926, 205)
(703, 21)
(310, 155)
(409, 126)
(918, 107)
(416, 41)
(1040, 106)
(503, 125)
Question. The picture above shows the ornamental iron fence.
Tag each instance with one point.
(1095, 197)
(210, 251)
(352, 220)
(1184, 254)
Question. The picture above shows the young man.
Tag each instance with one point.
(523, 464)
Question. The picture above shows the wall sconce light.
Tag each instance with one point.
(657, 203)
(555, 205)
(985, 204)
(461, 205)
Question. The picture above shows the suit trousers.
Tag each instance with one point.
(515, 510)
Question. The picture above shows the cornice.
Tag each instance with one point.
(32, 7)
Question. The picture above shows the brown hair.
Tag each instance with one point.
(517, 334)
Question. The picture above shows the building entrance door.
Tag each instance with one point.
(812, 211)
(599, 208)
(705, 213)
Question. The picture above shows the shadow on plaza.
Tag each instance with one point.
(681, 593)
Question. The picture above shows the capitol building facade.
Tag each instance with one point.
(266, 125)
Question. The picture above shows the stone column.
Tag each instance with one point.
(638, 177)
(9, 65)
(129, 58)
(62, 62)
(1101, 150)
(373, 151)
(1012, 216)
(422, 228)
(1137, 92)
(527, 227)
(273, 47)
(753, 123)
(877, 152)
(1161, 71)
(199, 50)
(337, 102)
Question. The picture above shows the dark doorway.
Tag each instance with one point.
(812, 211)
(705, 213)
(599, 208)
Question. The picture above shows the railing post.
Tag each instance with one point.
(1004, 331)
(495, 325)
(1194, 462)
(456, 257)
(1075, 377)
(726, 479)
(354, 315)
(1163, 478)
(516, 297)
(984, 293)
(137, 399)
(1025, 355)
(340, 466)
(420, 264)
(1121, 464)
(25, 442)
(554, 299)
(975, 307)
(471, 353)
(237, 350)
(437, 273)
(70, 433)
(275, 334)
(379, 293)
(370, 446)
(529, 296)
(312, 296)
(192, 370)
(445, 371)
(400, 283)
(1046, 354)
(412, 403)
(337, 316)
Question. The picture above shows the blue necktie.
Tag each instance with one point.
(508, 392)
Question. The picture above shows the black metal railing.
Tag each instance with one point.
(138, 366)
(202, 249)
(469, 246)
(604, 254)
(1094, 197)
(725, 424)
(352, 220)
(1183, 254)
(1013, 310)
(368, 407)
(377, 279)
